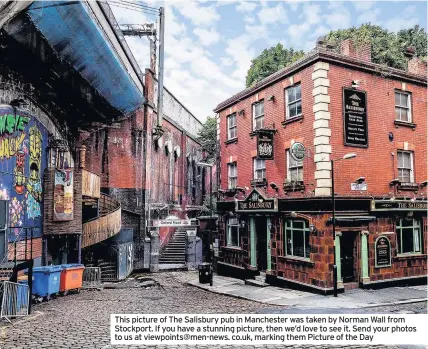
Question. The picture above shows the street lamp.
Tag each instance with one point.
(205, 164)
(345, 157)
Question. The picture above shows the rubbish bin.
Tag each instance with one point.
(205, 273)
(46, 280)
(71, 277)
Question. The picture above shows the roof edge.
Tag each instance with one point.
(312, 57)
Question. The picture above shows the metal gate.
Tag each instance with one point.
(15, 300)
(125, 260)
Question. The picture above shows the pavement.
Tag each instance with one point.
(82, 321)
(276, 296)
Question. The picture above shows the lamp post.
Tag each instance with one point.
(205, 164)
(345, 157)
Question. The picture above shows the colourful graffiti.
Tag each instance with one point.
(23, 142)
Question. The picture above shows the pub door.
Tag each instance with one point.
(349, 256)
(261, 236)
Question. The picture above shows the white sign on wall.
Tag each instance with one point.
(358, 186)
(172, 223)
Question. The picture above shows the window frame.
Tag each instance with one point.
(290, 228)
(229, 128)
(289, 168)
(408, 107)
(235, 178)
(416, 223)
(261, 116)
(412, 165)
(229, 227)
(288, 103)
(259, 169)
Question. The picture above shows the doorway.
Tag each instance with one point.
(261, 236)
(349, 256)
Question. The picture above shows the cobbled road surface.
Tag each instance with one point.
(83, 320)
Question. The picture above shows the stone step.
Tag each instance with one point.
(256, 283)
(261, 278)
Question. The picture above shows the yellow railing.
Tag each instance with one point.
(105, 225)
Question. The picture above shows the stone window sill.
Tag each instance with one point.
(297, 186)
(405, 124)
(410, 256)
(232, 248)
(231, 141)
(408, 186)
(293, 259)
(290, 121)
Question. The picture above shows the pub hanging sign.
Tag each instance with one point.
(265, 145)
(355, 125)
(382, 252)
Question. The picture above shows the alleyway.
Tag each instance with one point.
(82, 320)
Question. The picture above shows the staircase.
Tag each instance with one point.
(108, 271)
(258, 281)
(173, 255)
(6, 271)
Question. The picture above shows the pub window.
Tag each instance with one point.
(409, 236)
(233, 232)
(403, 106)
(297, 238)
(259, 169)
(232, 173)
(258, 115)
(405, 166)
(294, 169)
(293, 100)
(231, 127)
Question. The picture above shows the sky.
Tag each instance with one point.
(209, 45)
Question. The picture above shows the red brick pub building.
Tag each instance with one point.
(279, 141)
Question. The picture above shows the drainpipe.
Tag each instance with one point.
(160, 63)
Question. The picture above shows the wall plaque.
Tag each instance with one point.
(355, 126)
(265, 145)
(298, 151)
(382, 252)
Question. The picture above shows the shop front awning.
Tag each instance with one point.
(71, 30)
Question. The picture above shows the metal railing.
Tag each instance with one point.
(15, 300)
(92, 278)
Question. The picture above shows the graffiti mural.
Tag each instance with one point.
(63, 195)
(23, 143)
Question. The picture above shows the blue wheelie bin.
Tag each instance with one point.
(46, 280)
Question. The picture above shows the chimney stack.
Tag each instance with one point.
(362, 52)
(417, 66)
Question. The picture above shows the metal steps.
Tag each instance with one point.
(175, 251)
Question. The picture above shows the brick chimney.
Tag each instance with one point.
(417, 66)
(362, 52)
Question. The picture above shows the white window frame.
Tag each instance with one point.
(229, 228)
(230, 166)
(416, 228)
(290, 229)
(408, 107)
(231, 128)
(256, 169)
(288, 104)
(261, 116)
(289, 168)
(412, 177)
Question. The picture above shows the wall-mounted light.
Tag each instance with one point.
(312, 228)
(271, 98)
(394, 182)
(274, 186)
(17, 103)
(360, 180)
(242, 224)
(355, 83)
(269, 226)
(241, 112)
(242, 190)
(424, 184)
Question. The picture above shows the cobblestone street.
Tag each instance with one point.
(83, 320)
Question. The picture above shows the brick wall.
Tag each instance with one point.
(51, 227)
(375, 163)
(20, 249)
